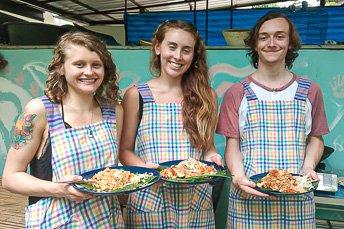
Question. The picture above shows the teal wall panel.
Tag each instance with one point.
(25, 75)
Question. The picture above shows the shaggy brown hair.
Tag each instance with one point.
(56, 83)
(294, 40)
(198, 106)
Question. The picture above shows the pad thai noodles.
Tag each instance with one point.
(188, 168)
(112, 179)
(282, 181)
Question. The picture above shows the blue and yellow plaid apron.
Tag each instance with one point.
(74, 152)
(274, 138)
(161, 137)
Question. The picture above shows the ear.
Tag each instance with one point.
(61, 70)
(157, 49)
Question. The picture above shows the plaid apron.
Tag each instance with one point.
(74, 152)
(274, 137)
(161, 137)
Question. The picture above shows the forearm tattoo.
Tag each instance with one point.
(23, 131)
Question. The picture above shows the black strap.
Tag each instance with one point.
(67, 126)
(140, 107)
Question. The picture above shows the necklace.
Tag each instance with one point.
(90, 132)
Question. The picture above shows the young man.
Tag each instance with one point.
(276, 122)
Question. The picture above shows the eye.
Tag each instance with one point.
(97, 66)
(79, 65)
(280, 37)
(187, 51)
(263, 38)
(172, 46)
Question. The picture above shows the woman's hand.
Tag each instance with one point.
(243, 183)
(66, 190)
(310, 173)
(216, 158)
(152, 165)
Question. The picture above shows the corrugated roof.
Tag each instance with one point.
(95, 12)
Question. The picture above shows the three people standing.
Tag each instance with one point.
(272, 119)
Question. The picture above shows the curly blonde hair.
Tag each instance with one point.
(198, 106)
(56, 84)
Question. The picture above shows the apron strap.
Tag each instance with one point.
(53, 115)
(250, 95)
(145, 92)
(302, 89)
(109, 112)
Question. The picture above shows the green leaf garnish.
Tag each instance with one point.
(125, 188)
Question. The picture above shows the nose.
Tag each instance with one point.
(88, 70)
(177, 54)
(271, 41)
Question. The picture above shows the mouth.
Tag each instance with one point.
(175, 65)
(273, 50)
(88, 80)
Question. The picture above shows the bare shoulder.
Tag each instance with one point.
(30, 127)
(35, 106)
(132, 91)
(34, 112)
(131, 97)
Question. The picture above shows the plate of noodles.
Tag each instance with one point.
(117, 180)
(191, 171)
(281, 182)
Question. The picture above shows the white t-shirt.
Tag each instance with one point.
(233, 111)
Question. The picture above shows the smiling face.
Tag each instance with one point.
(273, 42)
(83, 69)
(176, 52)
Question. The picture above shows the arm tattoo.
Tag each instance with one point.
(23, 131)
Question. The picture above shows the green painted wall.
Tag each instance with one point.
(24, 78)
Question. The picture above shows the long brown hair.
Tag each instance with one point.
(56, 83)
(294, 39)
(198, 106)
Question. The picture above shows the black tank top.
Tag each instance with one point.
(41, 167)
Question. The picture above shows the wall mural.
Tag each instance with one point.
(24, 78)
